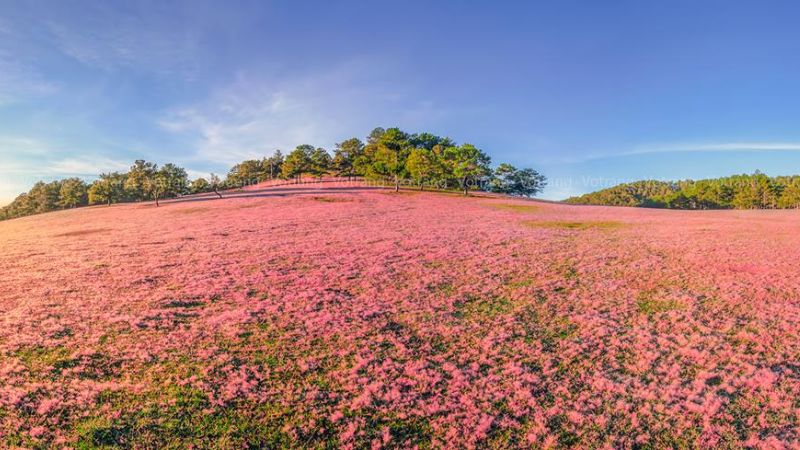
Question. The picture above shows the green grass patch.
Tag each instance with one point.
(185, 418)
(650, 303)
(514, 207)
(84, 232)
(184, 304)
(545, 327)
(565, 225)
(194, 210)
(37, 358)
(483, 308)
(331, 199)
(520, 283)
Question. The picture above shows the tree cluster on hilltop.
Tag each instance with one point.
(388, 155)
(756, 191)
(419, 159)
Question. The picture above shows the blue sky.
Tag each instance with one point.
(590, 93)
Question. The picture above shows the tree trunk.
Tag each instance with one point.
(466, 186)
(396, 183)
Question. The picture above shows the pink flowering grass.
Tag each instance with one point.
(341, 316)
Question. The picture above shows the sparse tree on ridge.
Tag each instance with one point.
(214, 184)
(156, 186)
(298, 162)
(167, 182)
(387, 155)
(507, 179)
(137, 179)
(199, 185)
(175, 178)
(468, 164)
(320, 162)
(345, 156)
(108, 189)
(272, 165)
(245, 173)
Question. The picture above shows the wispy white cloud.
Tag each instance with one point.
(85, 166)
(122, 44)
(755, 146)
(19, 176)
(252, 116)
(24, 161)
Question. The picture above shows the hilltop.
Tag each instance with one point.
(340, 314)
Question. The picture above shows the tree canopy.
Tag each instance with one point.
(755, 191)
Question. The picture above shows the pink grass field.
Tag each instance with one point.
(332, 315)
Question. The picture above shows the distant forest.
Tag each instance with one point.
(756, 191)
(419, 160)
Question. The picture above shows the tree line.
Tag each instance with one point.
(144, 181)
(755, 191)
(422, 160)
(394, 156)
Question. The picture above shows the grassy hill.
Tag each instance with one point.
(338, 315)
(756, 191)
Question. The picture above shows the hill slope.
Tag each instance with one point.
(341, 315)
(756, 191)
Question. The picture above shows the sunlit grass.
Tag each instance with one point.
(514, 207)
(565, 225)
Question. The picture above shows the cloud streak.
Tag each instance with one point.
(718, 147)
(123, 46)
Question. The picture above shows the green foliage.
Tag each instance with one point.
(272, 166)
(345, 156)
(44, 196)
(756, 191)
(298, 162)
(253, 171)
(245, 173)
(320, 162)
(386, 155)
(174, 180)
(790, 196)
(73, 192)
(108, 189)
(640, 193)
(468, 164)
(424, 166)
(139, 179)
(144, 181)
(199, 185)
(520, 182)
